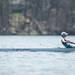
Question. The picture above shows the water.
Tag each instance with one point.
(35, 63)
(29, 42)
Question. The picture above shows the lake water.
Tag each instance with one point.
(32, 41)
(29, 42)
(35, 63)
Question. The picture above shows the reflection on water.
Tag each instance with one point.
(37, 63)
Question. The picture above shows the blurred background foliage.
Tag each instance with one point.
(37, 17)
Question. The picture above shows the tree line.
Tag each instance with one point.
(37, 17)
